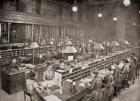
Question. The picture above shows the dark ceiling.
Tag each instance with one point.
(98, 1)
(94, 2)
(91, 2)
(72, 1)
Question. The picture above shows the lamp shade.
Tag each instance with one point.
(115, 43)
(69, 43)
(125, 42)
(106, 43)
(33, 45)
(69, 49)
(98, 46)
(90, 41)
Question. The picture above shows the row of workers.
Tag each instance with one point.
(109, 82)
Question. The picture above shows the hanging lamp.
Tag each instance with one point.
(100, 12)
(33, 45)
(126, 2)
(115, 18)
(75, 6)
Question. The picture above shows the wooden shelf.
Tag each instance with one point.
(12, 45)
(79, 73)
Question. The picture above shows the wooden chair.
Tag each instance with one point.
(26, 93)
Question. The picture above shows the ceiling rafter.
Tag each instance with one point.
(98, 2)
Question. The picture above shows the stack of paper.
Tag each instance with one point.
(52, 98)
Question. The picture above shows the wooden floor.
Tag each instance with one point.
(14, 97)
(130, 94)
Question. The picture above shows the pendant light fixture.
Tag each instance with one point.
(126, 2)
(100, 15)
(100, 12)
(75, 7)
(134, 24)
(115, 18)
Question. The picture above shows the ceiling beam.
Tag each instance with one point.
(92, 2)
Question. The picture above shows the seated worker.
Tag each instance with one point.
(49, 55)
(75, 61)
(33, 87)
(39, 58)
(13, 67)
(53, 79)
(96, 87)
(62, 64)
(126, 72)
(133, 56)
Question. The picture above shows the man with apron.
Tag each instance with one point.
(96, 87)
(108, 83)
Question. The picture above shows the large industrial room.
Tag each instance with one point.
(69, 50)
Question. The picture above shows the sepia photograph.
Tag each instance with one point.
(69, 50)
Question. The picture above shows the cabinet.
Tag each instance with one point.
(12, 83)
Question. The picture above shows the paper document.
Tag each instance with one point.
(52, 98)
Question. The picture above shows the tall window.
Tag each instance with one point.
(4, 33)
(12, 33)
